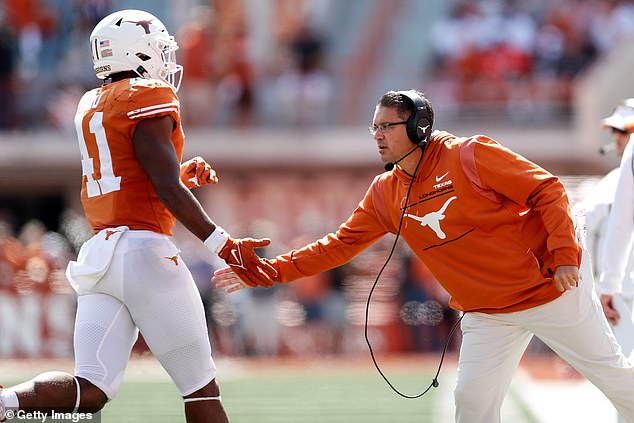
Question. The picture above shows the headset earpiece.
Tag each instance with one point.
(419, 125)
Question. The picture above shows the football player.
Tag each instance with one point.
(129, 276)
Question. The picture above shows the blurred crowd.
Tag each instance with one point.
(33, 258)
(514, 54)
(319, 315)
(524, 55)
(45, 62)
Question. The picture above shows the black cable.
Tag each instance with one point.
(434, 382)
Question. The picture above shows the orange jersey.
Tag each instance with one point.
(116, 191)
(490, 225)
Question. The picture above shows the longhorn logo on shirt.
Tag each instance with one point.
(173, 259)
(432, 219)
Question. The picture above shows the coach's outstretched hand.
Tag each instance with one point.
(197, 172)
(228, 280)
(239, 254)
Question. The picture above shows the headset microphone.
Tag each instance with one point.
(390, 165)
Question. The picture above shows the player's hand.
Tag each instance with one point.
(566, 277)
(197, 172)
(228, 280)
(611, 314)
(239, 254)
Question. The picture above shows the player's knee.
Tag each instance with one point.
(93, 399)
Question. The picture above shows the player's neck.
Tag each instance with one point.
(122, 75)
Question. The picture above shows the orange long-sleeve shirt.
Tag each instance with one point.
(490, 225)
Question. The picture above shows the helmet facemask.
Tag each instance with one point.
(162, 63)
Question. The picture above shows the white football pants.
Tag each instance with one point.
(573, 326)
(147, 286)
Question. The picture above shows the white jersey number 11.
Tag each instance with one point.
(107, 182)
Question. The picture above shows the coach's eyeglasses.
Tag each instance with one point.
(384, 127)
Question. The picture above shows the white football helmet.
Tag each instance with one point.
(134, 40)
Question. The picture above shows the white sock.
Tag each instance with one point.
(202, 399)
(78, 398)
(9, 399)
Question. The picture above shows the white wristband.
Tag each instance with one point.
(217, 240)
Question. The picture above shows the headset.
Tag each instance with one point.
(419, 126)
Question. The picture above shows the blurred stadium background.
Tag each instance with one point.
(277, 95)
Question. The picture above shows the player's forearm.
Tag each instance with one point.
(186, 208)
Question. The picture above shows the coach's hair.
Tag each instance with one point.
(403, 105)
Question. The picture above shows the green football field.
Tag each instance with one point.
(290, 391)
(285, 398)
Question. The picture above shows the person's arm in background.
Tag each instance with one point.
(619, 237)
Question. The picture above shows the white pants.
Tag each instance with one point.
(573, 326)
(146, 286)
